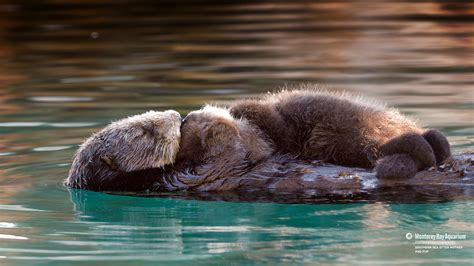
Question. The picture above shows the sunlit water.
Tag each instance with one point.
(66, 70)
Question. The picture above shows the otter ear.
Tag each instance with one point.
(219, 133)
(110, 161)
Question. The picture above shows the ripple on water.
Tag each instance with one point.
(12, 237)
(45, 124)
(18, 208)
(60, 99)
(21, 124)
(52, 148)
(95, 79)
(7, 225)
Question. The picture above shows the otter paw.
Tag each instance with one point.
(251, 110)
(396, 166)
(218, 135)
(414, 145)
(439, 144)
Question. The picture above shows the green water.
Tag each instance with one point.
(102, 228)
(68, 69)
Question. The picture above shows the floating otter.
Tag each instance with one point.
(149, 140)
(345, 130)
(221, 154)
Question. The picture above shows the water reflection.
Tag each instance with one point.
(260, 231)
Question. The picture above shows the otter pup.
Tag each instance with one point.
(149, 140)
(212, 132)
(346, 130)
(214, 147)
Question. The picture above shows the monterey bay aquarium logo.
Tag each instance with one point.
(444, 236)
(425, 243)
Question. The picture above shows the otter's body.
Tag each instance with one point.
(346, 130)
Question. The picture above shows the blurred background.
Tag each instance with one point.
(68, 68)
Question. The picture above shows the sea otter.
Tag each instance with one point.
(149, 140)
(344, 129)
(218, 153)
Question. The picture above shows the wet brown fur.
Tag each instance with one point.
(212, 132)
(149, 140)
(219, 152)
(214, 148)
(343, 129)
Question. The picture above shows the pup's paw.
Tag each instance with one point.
(251, 110)
(414, 145)
(396, 166)
(439, 144)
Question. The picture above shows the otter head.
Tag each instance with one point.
(148, 140)
(212, 133)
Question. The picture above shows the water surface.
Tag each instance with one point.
(67, 69)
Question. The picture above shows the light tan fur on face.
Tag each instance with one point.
(168, 146)
(167, 135)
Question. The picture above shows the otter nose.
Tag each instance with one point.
(187, 118)
(183, 121)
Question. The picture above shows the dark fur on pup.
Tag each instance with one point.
(344, 129)
(221, 153)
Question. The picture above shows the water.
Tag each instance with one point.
(68, 69)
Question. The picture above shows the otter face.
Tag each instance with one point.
(206, 133)
(148, 140)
